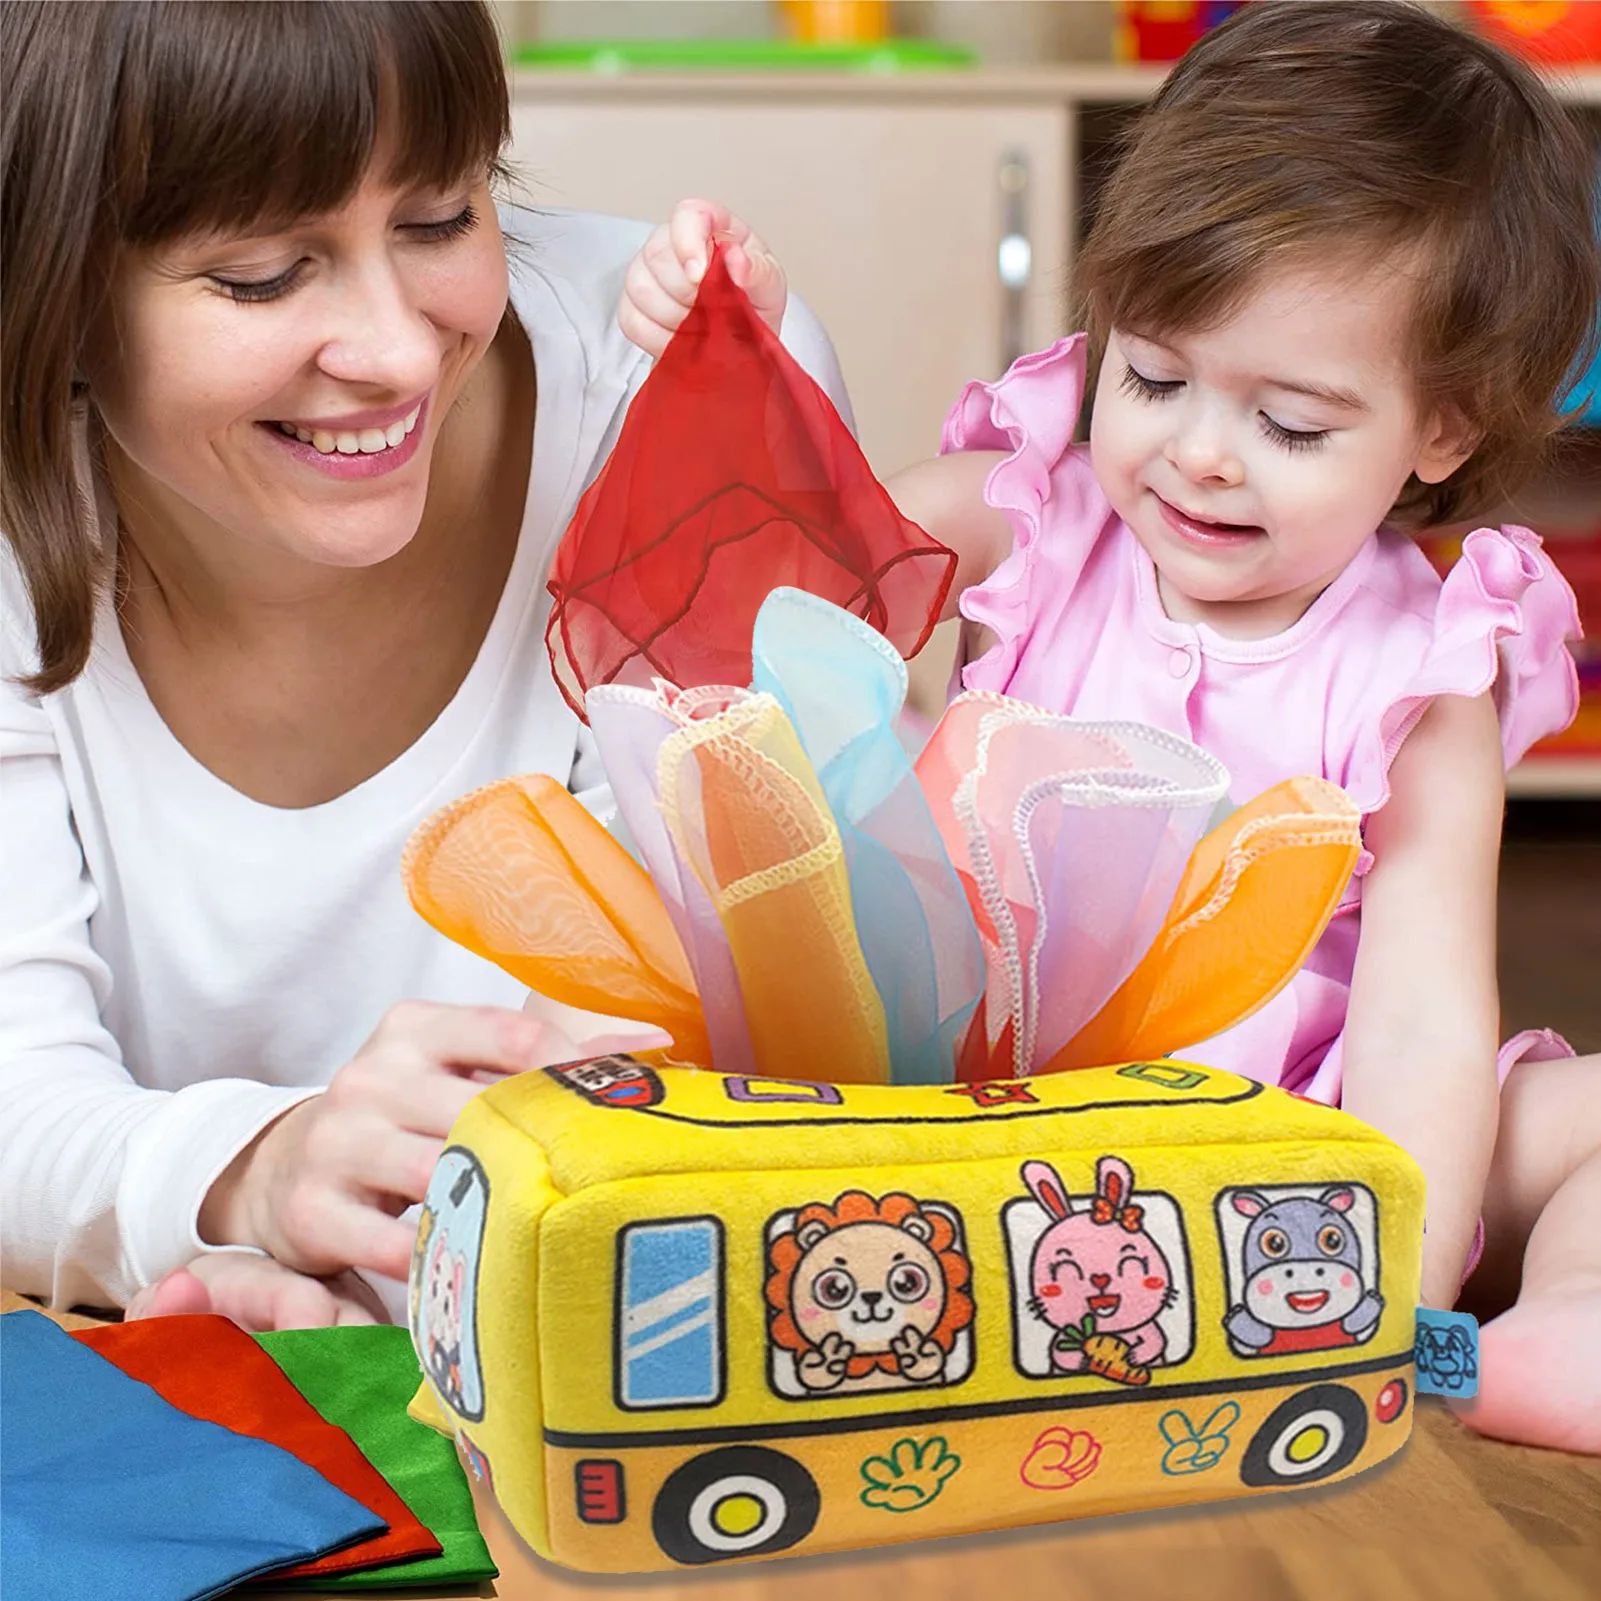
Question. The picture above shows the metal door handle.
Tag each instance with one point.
(1014, 256)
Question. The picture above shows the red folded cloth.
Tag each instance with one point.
(210, 1368)
(732, 474)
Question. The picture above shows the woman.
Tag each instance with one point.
(290, 434)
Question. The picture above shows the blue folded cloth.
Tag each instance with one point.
(107, 1491)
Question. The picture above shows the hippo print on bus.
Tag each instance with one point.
(1302, 1267)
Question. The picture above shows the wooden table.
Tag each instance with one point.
(1451, 1518)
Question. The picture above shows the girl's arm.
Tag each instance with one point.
(1421, 1034)
(945, 498)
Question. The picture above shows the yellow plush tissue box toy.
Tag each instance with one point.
(877, 1249)
(676, 1317)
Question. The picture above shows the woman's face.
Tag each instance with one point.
(286, 390)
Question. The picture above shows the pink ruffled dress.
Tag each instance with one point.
(1081, 631)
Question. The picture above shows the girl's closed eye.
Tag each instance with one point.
(1294, 439)
(1137, 384)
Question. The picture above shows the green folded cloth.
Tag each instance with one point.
(361, 1379)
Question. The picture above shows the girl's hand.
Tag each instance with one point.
(664, 277)
(258, 1293)
(322, 1188)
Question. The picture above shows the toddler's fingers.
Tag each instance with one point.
(660, 262)
(639, 330)
(654, 305)
(756, 270)
(692, 227)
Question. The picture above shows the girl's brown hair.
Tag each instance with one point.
(1312, 129)
(131, 123)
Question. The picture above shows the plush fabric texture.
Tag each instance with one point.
(676, 1317)
(210, 1368)
(107, 1490)
(360, 1380)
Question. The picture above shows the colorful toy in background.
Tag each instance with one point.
(1585, 401)
(1553, 32)
(836, 21)
(733, 1316)
(1162, 30)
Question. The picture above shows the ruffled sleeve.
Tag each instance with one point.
(1032, 413)
(1501, 622)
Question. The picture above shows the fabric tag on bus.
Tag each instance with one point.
(1447, 1353)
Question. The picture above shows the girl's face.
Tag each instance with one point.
(1252, 460)
(285, 391)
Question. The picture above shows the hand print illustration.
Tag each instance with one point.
(910, 1477)
(1060, 1458)
(1193, 1448)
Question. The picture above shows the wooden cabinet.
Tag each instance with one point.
(886, 202)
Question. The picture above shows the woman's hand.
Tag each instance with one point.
(258, 1293)
(322, 1188)
(664, 277)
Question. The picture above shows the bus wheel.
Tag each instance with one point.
(741, 1501)
(1307, 1438)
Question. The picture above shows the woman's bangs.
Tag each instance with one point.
(254, 116)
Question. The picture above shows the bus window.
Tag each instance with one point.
(669, 1332)
(867, 1293)
(1302, 1266)
(1101, 1280)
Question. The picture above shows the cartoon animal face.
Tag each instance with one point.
(444, 1294)
(1096, 1259)
(879, 1275)
(867, 1281)
(1303, 1265)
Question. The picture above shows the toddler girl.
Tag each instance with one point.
(1336, 287)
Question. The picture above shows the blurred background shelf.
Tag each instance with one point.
(1567, 776)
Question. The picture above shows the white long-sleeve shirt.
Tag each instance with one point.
(179, 964)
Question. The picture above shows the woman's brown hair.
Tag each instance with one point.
(1314, 129)
(132, 123)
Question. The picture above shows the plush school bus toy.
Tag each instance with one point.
(676, 1317)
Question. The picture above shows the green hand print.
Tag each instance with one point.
(911, 1475)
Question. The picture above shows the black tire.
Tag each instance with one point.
(1337, 1412)
(776, 1487)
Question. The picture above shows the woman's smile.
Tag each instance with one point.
(360, 445)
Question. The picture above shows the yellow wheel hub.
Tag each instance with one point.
(1308, 1443)
(735, 1515)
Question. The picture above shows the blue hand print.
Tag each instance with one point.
(1192, 1448)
